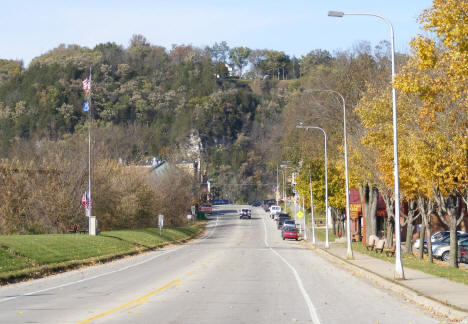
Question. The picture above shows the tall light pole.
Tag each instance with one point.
(399, 274)
(277, 186)
(312, 209)
(327, 243)
(349, 252)
(284, 191)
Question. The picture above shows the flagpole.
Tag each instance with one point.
(90, 221)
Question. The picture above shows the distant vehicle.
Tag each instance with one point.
(219, 201)
(274, 210)
(256, 203)
(245, 213)
(206, 208)
(289, 222)
(463, 251)
(281, 218)
(267, 203)
(289, 232)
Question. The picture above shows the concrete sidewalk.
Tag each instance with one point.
(438, 292)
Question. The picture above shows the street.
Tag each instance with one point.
(241, 271)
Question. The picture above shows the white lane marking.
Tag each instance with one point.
(312, 310)
(110, 272)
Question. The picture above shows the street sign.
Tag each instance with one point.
(300, 214)
(160, 223)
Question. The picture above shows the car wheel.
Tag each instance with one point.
(446, 256)
(297, 239)
(283, 238)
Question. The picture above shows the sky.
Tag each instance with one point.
(31, 28)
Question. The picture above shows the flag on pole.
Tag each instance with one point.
(86, 106)
(87, 85)
(85, 201)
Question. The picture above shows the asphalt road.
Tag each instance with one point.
(239, 272)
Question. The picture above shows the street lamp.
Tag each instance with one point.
(399, 274)
(327, 244)
(349, 253)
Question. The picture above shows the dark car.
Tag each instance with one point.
(281, 218)
(256, 203)
(245, 213)
(463, 251)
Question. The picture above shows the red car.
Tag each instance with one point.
(289, 232)
(206, 208)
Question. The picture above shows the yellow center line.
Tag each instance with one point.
(141, 299)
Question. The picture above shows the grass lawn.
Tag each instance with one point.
(438, 268)
(32, 255)
(9, 262)
(320, 235)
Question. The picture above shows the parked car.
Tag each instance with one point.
(441, 248)
(289, 222)
(281, 218)
(206, 208)
(245, 213)
(274, 210)
(463, 251)
(437, 236)
(289, 232)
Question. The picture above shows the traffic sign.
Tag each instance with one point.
(300, 214)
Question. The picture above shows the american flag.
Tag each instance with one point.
(87, 85)
(85, 201)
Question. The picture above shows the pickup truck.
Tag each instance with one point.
(206, 208)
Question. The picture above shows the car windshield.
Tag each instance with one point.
(438, 236)
(463, 243)
(290, 229)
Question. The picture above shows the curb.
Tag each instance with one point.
(435, 306)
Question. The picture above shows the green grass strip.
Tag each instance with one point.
(24, 256)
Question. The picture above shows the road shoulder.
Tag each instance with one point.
(439, 307)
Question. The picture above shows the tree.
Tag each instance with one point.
(313, 59)
(238, 57)
(437, 74)
(219, 52)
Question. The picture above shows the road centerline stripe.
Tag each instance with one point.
(310, 305)
(140, 300)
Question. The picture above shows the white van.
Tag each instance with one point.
(274, 210)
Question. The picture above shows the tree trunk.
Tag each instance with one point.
(334, 222)
(429, 244)
(421, 241)
(409, 236)
(426, 208)
(372, 208)
(450, 207)
(387, 195)
(410, 218)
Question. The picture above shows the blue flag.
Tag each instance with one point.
(86, 106)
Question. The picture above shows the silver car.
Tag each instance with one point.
(441, 250)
